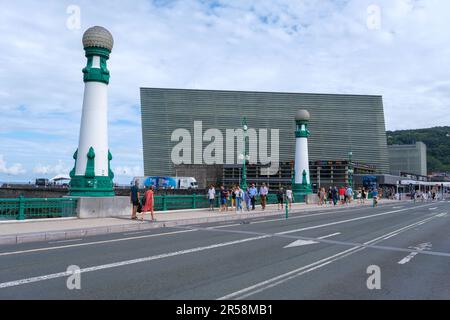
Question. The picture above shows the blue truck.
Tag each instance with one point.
(166, 182)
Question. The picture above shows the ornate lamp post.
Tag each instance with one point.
(244, 156)
(350, 169)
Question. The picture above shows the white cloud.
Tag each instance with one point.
(59, 168)
(14, 170)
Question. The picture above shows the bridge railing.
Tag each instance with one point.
(31, 208)
(195, 201)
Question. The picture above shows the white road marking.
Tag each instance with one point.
(300, 243)
(408, 258)
(95, 242)
(224, 226)
(258, 221)
(275, 281)
(177, 253)
(398, 207)
(64, 241)
(343, 221)
(127, 262)
(156, 235)
(432, 208)
(319, 214)
(391, 236)
(419, 248)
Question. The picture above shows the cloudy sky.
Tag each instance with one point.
(396, 48)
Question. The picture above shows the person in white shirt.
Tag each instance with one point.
(263, 191)
(239, 196)
(289, 197)
(211, 197)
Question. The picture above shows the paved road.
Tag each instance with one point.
(322, 255)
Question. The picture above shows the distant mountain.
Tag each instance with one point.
(437, 141)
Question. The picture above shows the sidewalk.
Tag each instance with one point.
(15, 232)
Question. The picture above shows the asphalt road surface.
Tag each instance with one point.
(397, 251)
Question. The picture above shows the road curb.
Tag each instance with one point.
(142, 226)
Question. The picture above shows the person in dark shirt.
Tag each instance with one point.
(330, 195)
(134, 199)
(280, 198)
(335, 195)
(223, 199)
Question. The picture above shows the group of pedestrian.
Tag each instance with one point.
(430, 195)
(240, 199)
(235, 195)
(345, 196)
(335, 196)
(142, 205)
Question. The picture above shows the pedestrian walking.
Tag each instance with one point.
(363, 195)
(280, 198)
(263, 191)
(211, 197)
(375, 197)
(342, 195)
(149, 203)
(330, 196)
(252, 193)
(247, 200)
(239, 196)
(134, 199)
(223, 199)
(289, 197)
(322, 197)
(349, 194)
(359, 196)
(233, 197)
(335, 195)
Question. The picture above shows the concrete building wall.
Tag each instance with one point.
(408, 158)
(339, 123)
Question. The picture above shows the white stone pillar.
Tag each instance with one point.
(92, 175)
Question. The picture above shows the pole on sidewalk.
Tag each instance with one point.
(287, 209)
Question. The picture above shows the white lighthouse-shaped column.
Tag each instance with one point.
(91, 175)
(302, 181)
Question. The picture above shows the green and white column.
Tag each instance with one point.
(302, 183)
(92, 175)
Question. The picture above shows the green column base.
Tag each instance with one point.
(303, 189)
(81, 186)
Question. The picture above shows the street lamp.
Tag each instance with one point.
(350, 169)
(244, 156)
(318, 177)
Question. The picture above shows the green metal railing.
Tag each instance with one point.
(31, 208)
(194, 201)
